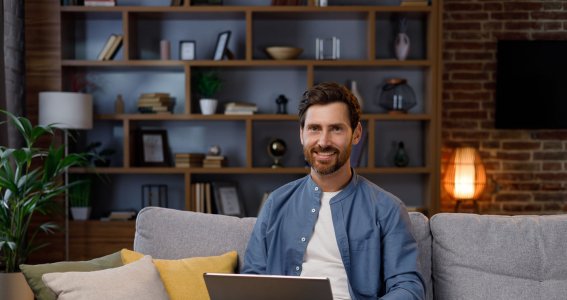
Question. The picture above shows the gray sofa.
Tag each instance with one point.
(462, 256)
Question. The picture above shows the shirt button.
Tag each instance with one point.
(316, 188)
(297, 268)
(312, 210)
(303, 239)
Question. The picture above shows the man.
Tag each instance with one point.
(334, 223)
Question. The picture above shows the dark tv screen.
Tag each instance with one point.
(531, 85)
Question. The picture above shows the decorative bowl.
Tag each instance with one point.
(281, 52)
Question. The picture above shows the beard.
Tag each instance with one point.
(330, 166)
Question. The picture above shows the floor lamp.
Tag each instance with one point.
(66, 110)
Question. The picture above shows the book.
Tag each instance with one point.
(106, 47)
(100, 3)
(154, 95)
(109, 55)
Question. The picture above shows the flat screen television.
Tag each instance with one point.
(531, 85)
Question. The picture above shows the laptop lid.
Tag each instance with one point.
(262, 287)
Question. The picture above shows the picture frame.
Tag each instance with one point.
(222, 43)
(187, 50)
(227, 199)
(153, 147)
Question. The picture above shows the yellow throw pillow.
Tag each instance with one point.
(183, 278)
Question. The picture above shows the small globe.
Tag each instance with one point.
(277, 148)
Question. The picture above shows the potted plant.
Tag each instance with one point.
(80, 198)
(207, 84)
(30, 182)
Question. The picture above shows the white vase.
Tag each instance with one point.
(208, 106)
(402, 46)
(14, 286)
(356, 93)
(80, 213)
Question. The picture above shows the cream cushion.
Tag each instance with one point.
(139, 280)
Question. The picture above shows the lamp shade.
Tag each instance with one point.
(66, 110)
(465, 176)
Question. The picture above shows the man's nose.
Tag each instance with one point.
(324, 139)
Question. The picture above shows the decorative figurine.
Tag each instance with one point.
(401, 158)
(119, 105)
(214, 150)
(281, 101)
(277, 149)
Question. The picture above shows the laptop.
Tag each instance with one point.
(263, 287)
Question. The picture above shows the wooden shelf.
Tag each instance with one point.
(256, 117)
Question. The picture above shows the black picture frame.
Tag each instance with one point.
(227, 199)
(222, 43)
(187, 50)
(153, 149)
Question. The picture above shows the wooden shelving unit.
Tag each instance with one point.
(426, 63)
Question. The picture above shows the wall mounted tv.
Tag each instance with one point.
(531, 85)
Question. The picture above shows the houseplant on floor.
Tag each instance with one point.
(30, 182)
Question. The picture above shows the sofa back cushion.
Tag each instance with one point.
(174, 234)
(499, 257)
(420, 230)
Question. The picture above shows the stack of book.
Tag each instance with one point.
(240, 108)
(415, 3)
(100, 2)
(202, 195)
(189, 160)
(155, 103)
(120, 216)
(110, 48)
(214, 161)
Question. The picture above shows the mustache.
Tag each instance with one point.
(324, 149)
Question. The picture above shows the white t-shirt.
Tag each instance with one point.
(322, 257)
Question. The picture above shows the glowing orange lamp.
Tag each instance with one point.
(465, 176)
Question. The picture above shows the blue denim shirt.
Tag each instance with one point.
(372, 228)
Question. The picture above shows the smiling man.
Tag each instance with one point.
(334, 223)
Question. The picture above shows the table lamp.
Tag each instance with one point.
(66, 110)
(465, 176)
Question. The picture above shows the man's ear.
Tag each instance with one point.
(357, 134)
(301, 135)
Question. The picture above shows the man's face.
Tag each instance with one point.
(327, 137)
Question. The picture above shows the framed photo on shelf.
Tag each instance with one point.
(187, 50)
(153, 148)
(227, 199)
(222, 43)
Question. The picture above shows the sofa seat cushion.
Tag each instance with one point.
(174, 234)
(183, 277)
(499, 257)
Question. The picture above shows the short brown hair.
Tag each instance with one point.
(326, 93)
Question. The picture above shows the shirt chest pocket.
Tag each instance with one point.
(367, 242)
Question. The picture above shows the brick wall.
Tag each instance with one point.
(527, 169)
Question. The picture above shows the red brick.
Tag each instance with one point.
(551, 166)
(550, 135)
(511, 5)
(468, 105)
(510, 15)
(551, 176)
(468, 36)
(552, 145)
(493, 6)
(468, 135)
(507, 197)
(463, 66)
(462, 6)
(552, 26)
(507, 166)
(492, 166)
(551, 186)
(489, 26)
(454, 124)
(475, 115)
(511, 35)
(490, 145)
(550, 156)
(471, 86)
(507, 135)
(521, 145)
(519, 186)
(553, 6)
(513, 177)
(548, 15)
(550, 36)
(523, 25)
(551, 196)
(513, 155)
(461, 26)
(474, 56)
(463, 46)
(533, 207)
(468, 16)
(552, 206)
(472, 95)
(469, 76)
